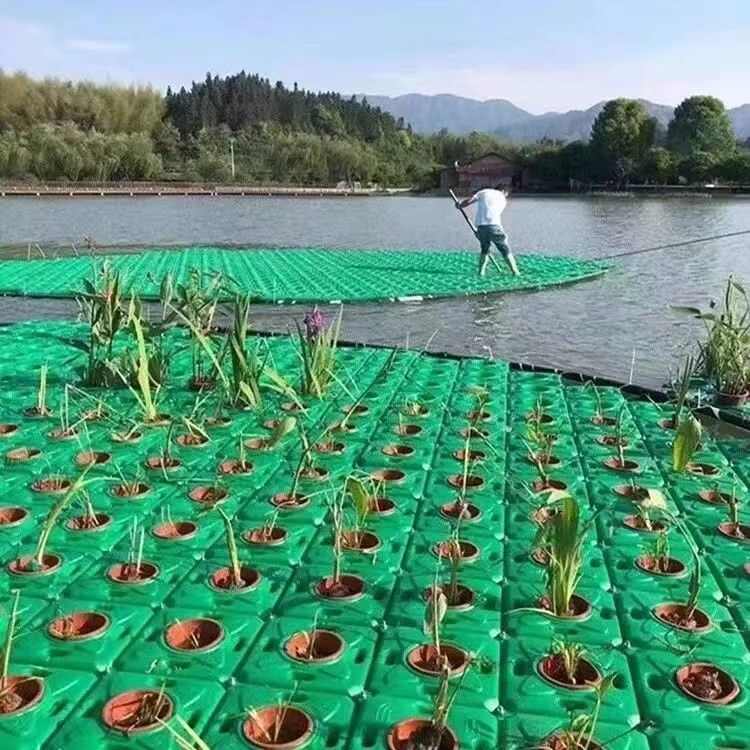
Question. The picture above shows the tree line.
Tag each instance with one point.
(51, 130)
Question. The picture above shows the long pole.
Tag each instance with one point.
(471, 225)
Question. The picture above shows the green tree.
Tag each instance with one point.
(620, 136)
(701, 124)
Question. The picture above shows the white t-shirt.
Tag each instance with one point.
(490, 205)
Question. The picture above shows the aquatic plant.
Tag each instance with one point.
(317, 345)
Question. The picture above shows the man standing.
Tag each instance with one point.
(490, 204)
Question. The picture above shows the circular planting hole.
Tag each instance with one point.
(202, 383)
(224, 579)
(715, 497)
(664, 566)
(291, 407)
(348, 588)
(569, 742)
(638, 523)
(160, 420)
(468, 482)
(540, 556)
(34, 412)
(601, 421)
(138, 711)
(132, 574)
(196, 634)
(6, 430)
(616, 465)
(707, 683)
(543, 459)
(13, 516)
(27, 566)
(52, 485)
(361, 541)
(586, 676)
(677, 616)
(330, 447)
(93, 458)
(426, 659)
(579, 609)
(396, 450)
(163, 463)
(129, 438)
(459, 597)
(192, 440)
(545, 485)
(612, 441)
(474, 432)
(79, 626)
(542, 515)
(22, 455)
(314, 474)
(258, 444)
(382, 506)
(131, 490)
(739, 532)
(216, 423)
(281, 727)
(61, 435)
(449, 549)
(175, 530)
(208, 495)
(467, 512)
(270, 537)
(20, 694)
(415, 410)
(473, 456)
(285, 501)
(388, 476)
(358, 409)
(633, 492)
(420, 733)
(315, 647)
(408, 430)
(234, 466)
(703, 470)
(97, 522)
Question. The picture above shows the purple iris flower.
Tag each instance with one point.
(315, 323)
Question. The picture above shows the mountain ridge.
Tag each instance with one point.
(430, 113)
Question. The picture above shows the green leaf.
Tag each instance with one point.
(686, 442)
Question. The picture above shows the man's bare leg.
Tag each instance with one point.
(511, 261)
(484, 259)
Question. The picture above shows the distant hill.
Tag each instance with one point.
(460, 115)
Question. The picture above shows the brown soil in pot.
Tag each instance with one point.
(208, 495)
(668, 566)
(469, 551)
(197, 634)
(358, 409)
(25, 566)
(349, 588)
(138, 711)
(272, 424)
(539, 485)
(544, 514)
(191, 440)
(415, 410)
(258, 444)
(363, 541)
(412, 734)
(474, 432)
(51, 485)
(601, 421)
(467, 512)
(131, 490)
(330, 448)
(616, 465)
(636, 523)
(79, 626)
(408, 430)
(316, 647)
(163, 463)
(34, 412)
(129, 438)
(175, 530)
(552, 669)
(6, 430)
(223, 579)
(314, 474)
(61, 435)
(612, 441)
(540, 556)
(262, 536)
(285, 501)
(13, 516)
(22, 455)
(470, 482)
(291, 407)
(463, 599)
(97, 522)
(565, 742)
(398, 451)
(278, 727)
(740, 532)
(20, 694)
(426, 659)
(475, 456)
(541, 418)
(545, 459)
(126, 573)
(233, 467)
(632, 492)
(93, 458)
(216, 423)
(580, 609)
(707, 683)
(388, 476)
(703, 470)
(478, 416)
(667, 424)
(345, 427)
(676, 616)
(382, 506)
(714, 497)
(202, 383)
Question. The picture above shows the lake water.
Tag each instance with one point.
(593, 327)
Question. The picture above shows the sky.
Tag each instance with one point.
(542, 55)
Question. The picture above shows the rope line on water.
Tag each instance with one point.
(675, 244)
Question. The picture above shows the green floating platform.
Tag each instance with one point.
(305, 275)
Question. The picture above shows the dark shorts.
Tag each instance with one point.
(491, 234)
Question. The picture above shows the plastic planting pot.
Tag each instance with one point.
(278, 727)
(79, 626)
(707, 683)
(195, 635)
(315, 647)
(20, 694)
(412, 733)
(138, 712)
